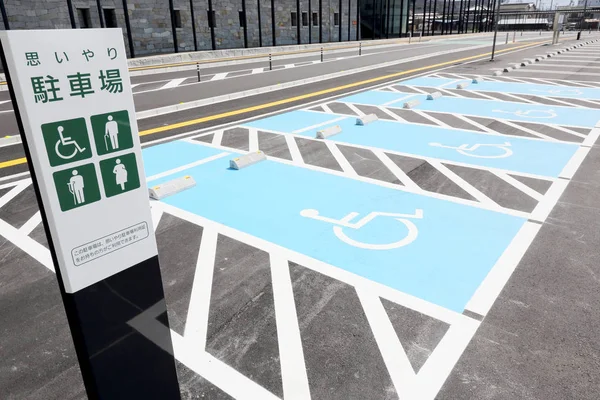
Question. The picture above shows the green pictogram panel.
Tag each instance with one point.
(76, 187)
(66, 141)
(119, 174)
(112, 132)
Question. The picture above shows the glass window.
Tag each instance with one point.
(242, 18)
(336, 19)
(304, 19)
(110, 17)
(315, 19)
(211, 19)
(84, 18)
(178, 19)
(294, 19)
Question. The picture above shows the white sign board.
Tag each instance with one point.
(74, 99)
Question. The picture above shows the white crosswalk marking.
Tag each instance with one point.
(173, 83)
(219, 76)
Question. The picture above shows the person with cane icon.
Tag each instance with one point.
(75, 186)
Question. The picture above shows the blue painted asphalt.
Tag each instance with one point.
(456, 246)
(174, 155)
(528, 156)
(509, 87)
(488, 108)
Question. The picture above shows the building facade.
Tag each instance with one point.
(167, 26)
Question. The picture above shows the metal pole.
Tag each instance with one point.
(100, 13)
(4, 16)
(444, 18)
(401, 17)
(212, 25)
(582, 19)
(245, 24)
(173, 26)
(340, 22)
(412, 28)
(387, 22)
(391, 28)
(321, 54)
(270, 62)
(198, 72)
(128, 26)
(358, 35)
(452, 16)
(259, 23)
(497, 13)
(71, 15)
(192, 15)
(424, 10)
(349, 17)
(298, 20)
(459, 27)
(310, 21)
(434, 14)
(273, 22)
(320, 21)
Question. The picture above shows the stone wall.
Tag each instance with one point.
(151, 26)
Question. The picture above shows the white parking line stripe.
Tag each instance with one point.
(414, 88)
(253, 139)
(399, 100)
(355, 109)
(560, 101)
(339, 157)
(561, 82)
(14, 192)
(187, 166)
(451, 94)
(218, 137)
(574, 133)
(391, 114)
(543, 71)
(396, 170)
(431, 118)
(531, 131)
(399, 368)
(219, 76)
(31, 224)
(196, 326)
(487, 293)
(519, 185)
(569, 170)
(309, 128)
(28, 245)
(294, 150)
(519, 98)
(173, 83)
(466, 186)
(327, 109)
(293, 369)
(257, 70)
(475, 123)
(286, 66)
(487, 96)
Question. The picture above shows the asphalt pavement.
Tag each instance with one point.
(492, 294)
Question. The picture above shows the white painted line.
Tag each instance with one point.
(531, 131)
(134, 85)
(355, 109)
(543, 71)
(219, 76)
(567, 66)
(489, 290)
(257, 70)
(592, 137)
(286, 66)
(466, 186)
(414, 88)
(560, 82)
(339, 157)
(451, 83)
(560, 101)
(396, 170)
(391, 114)
(14, 192)
(253, 139)
(196, 326)
(487, 96)
(326, 109)
(441, 362)
(519, 98)
(398, 100)
(519, 185)
(310, 128)
(297, 158)
(572, 132)
(398, 365)
(31, 224)
(476, 124)
(569, 170)
(451, 94)
(543, 209)
(186, 166)
(218, 137)
(173, 83)
(27, 244)
(594, 102)
(431, 118)
(293, 369)
(5, 178)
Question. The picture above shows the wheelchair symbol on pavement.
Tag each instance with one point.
(66, 141)
(537, 114)
(464, 149)
(410, 236)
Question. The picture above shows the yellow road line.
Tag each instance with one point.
(183, 124)
(318, 93)
(11, 163)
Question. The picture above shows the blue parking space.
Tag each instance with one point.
(433, 249)
(493, 109)
(173, 155)
(509, 153)
(510, 87)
